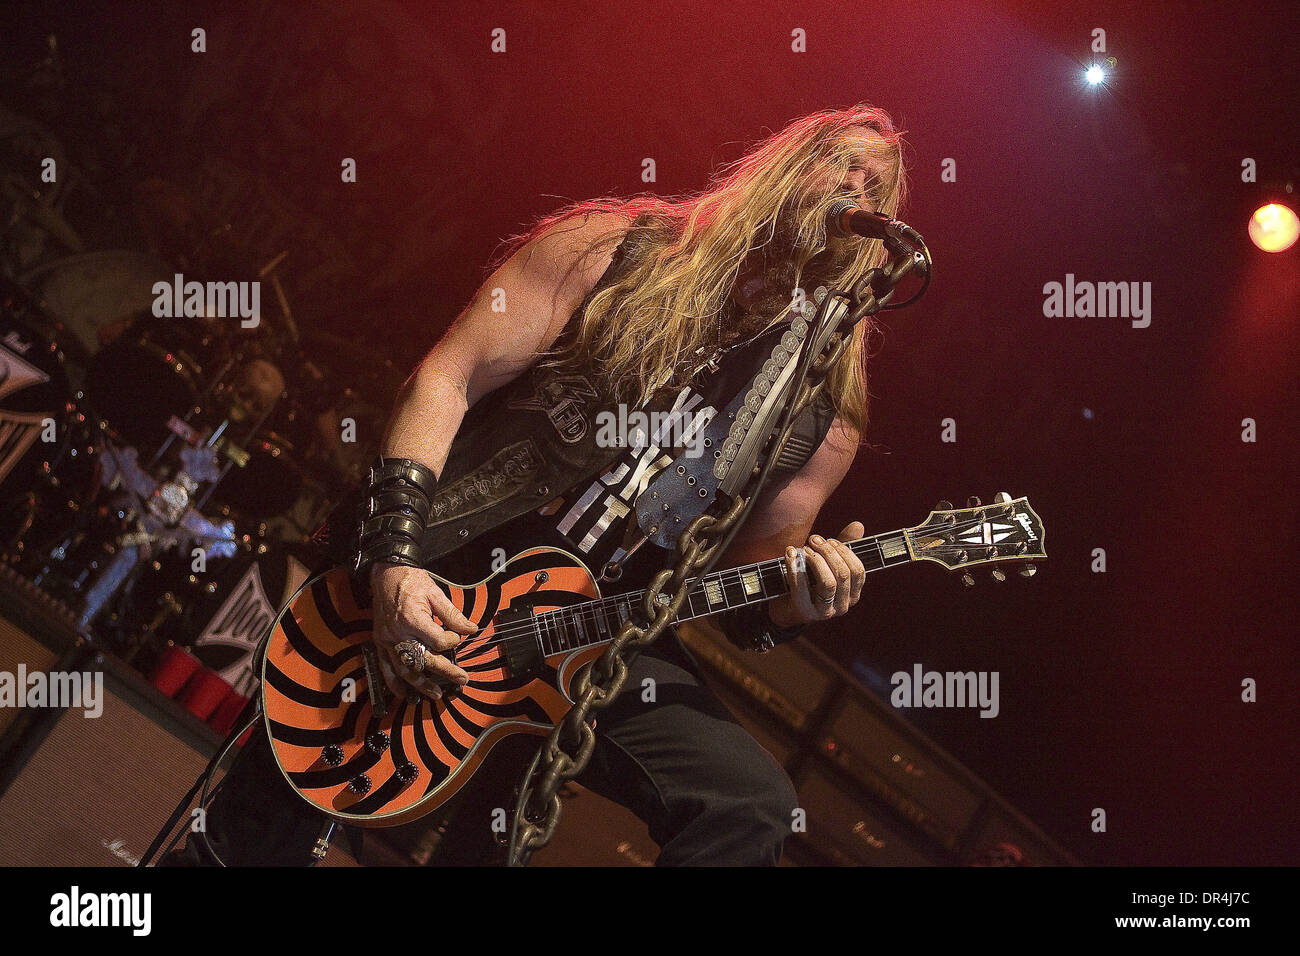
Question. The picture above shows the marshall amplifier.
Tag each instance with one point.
(94, 790)
(871, 745)
(874, 788)
(594, 831)
(846, 831)
(37, 633)
(784, 684)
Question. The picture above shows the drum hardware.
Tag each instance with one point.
(168, 607)
(193, 410)
(157, 516)
(191, 437)
(286, 314)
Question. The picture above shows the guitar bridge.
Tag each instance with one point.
(374, 679)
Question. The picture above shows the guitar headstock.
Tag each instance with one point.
(1008, 530)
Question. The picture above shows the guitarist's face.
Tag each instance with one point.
(767, 277)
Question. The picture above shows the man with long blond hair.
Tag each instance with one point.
(610, 303)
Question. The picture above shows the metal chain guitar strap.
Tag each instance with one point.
(567, 751)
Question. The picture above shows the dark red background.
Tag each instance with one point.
(1118, 690)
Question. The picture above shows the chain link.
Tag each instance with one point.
(596, 685)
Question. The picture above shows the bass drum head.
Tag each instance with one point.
(266, 485)
(156, 369)
(47, 462)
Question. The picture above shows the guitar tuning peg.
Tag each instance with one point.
(1002, 498)
(998, 576)
(973, 501)
(968, 580)
(1028, 571)
(943, 505)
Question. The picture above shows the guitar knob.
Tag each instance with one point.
(998, 575)
(973, 501)
(359, 784)
(1028, 571)
(968, 580)
(944, 505)
(407, 771)
(332, 755)
(377, 742)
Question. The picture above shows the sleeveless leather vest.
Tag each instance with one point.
(535, 438)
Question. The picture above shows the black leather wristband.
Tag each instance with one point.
(393, 515)
(390, 552)
(388, 525)
(403, 471)
(410, 501)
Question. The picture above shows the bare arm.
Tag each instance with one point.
(781, 521)
(535, 291)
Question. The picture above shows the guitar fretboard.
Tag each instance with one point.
(596, 622)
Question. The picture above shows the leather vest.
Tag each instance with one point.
(535, 438)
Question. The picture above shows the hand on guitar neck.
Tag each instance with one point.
(826, 580)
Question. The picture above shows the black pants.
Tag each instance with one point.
(709, 793)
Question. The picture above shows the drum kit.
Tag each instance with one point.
(161, 477)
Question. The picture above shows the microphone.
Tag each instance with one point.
(844, 219)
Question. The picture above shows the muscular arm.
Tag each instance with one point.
(541, 285)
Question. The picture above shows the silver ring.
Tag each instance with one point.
(411, 655)
(828, 599)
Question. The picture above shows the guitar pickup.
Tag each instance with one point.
(520, 653)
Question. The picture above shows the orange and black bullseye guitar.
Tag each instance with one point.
(352, 749)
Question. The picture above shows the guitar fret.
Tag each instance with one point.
(733, 588)
(557, 629)
(596, 621)
(713, 593)
(552, 638)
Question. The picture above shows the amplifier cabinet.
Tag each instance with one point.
(94, 791)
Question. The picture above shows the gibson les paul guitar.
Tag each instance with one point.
(347, 745)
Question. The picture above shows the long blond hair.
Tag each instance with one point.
(648, 328)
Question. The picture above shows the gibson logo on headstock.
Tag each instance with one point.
(1024, 522)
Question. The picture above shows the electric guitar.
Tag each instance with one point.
(363, 756)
